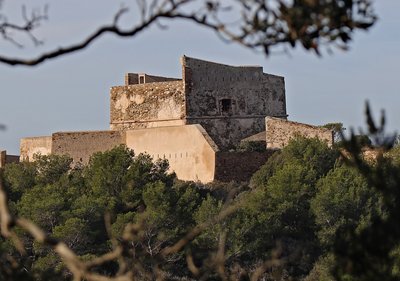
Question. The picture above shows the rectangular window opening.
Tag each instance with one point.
(226, 106)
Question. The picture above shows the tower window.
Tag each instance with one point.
(226, 106)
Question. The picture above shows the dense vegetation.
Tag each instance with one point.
(290, 218)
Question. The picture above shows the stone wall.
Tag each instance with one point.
(81, 145)
(231, 102)
(239, 166)
(3, 156)
(142, 78)
(34, 145)
(11, 159)
(131, 78)
(147, 105)
(188, 149)
(280, 131)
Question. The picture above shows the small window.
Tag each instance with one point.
(226, 106)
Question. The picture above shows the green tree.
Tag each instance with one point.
(50, 168)
(276, 213)
(337, 129)
(69, 203)
(19, 177)
(343, 199)
(358, 255)
(311, 153)
(308, 213)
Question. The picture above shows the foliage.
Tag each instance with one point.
(363, 140)
(308, 152)
(70, 203)
(258, 146)
(358, 254)
(343, 200)
(337, 129)
(322, 269)
(308, 215)
(20, 177)
(394, 155)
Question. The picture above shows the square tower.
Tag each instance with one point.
(229, 102)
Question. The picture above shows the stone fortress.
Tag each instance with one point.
(196, 122)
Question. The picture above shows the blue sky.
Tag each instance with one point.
(72, 93)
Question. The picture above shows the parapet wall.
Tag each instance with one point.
(147, 105)
(188, 149)
(280, 131)
(34, 145)
(81, 145)
(12, 159)
(142, 78)
(231, 102)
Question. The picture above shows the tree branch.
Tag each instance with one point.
(31, 22)
(260, 24)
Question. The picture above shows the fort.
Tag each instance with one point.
(196, 122)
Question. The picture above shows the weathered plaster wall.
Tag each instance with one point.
(239, 166)
(34, 145)
(147, 105)
(231, 102)
(189, 149)
(81, 145)
(280, 131)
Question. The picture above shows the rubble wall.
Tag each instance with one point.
(147, 105)
(239, 166)
(81, 145)
(280, 131)
(231, 102)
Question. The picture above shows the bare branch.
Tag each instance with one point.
(31, 22)
(258, 25)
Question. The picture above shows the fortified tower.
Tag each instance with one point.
(229, 102)
(196, 122)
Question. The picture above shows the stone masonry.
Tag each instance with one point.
(279, 132)
(7, 158)
(230, 102)
(194, 122)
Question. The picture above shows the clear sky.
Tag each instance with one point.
(72, 93)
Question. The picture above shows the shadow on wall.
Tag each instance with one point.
(6, 159)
